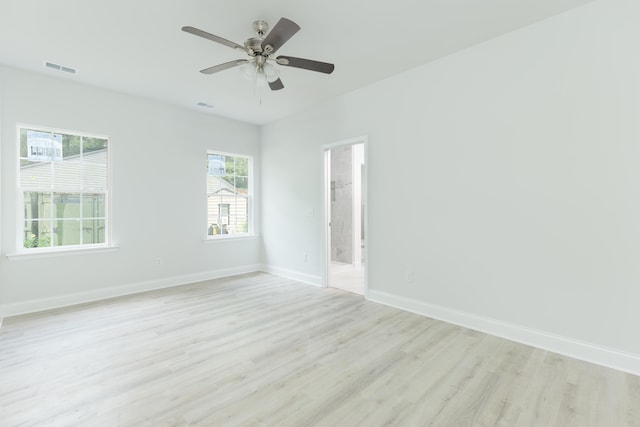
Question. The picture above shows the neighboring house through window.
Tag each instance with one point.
(64, 189)
(228, 194)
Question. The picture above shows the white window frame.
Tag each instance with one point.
(71, 249)
(250, 220)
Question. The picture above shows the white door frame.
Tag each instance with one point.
(326, 203)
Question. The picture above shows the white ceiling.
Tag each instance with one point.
(137, 47)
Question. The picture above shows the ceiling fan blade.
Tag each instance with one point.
(224, 66)
(281, 33)
(212, 37)
(307, 64)
(277, 85)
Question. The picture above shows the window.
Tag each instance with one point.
(63, 189)
(228, 194)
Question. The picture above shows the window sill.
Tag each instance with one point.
(223, 238)
(21, 256)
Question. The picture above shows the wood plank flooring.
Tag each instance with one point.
(258, 350)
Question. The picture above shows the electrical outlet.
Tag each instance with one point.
(305, 257)
(158, 261)
(408, 276)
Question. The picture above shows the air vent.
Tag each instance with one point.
(58, 67)
(204, 105)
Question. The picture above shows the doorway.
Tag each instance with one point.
(345, 211)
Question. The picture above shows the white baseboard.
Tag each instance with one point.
(31, 306)
(293, 275)
(600, 355)
(588, 352)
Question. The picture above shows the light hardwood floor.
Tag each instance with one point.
(347, 277)
(257, 350)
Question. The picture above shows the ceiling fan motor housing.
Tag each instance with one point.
(254, 45)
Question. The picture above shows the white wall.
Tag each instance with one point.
(158, 187)
(517, 163)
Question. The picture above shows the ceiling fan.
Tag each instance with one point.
(261, 50)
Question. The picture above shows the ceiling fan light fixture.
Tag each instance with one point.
(271, 73)
(248, 70)
(261, 74)
(261, 79)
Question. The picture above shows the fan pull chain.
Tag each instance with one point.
(256, 86)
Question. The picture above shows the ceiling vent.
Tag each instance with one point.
(204, 105)
(58, 67)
